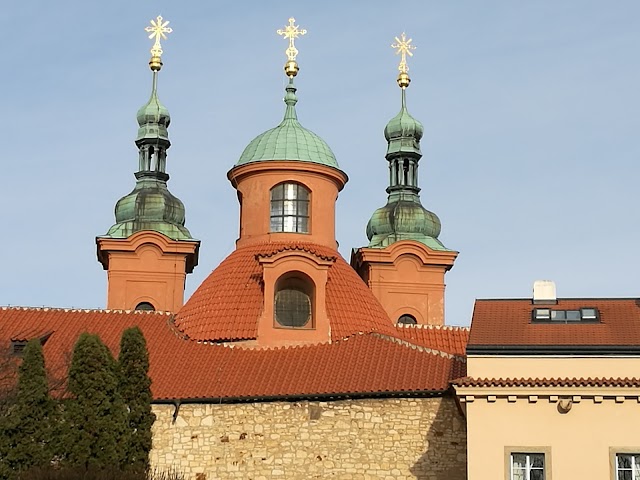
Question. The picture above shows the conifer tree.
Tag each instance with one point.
(135, 389)
(95, 416)
(29, 427)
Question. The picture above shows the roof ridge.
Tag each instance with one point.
(547, 382)
(432, 327)
(529, 299)
(84, 310)
(420, 348)
(244, 346)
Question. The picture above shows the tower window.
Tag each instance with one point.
(407, 319)
(292, 303)
(145, 307)
(289, 208)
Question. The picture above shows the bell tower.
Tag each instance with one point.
(148, 251)
(404, 263)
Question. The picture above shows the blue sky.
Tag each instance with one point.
(530, 149)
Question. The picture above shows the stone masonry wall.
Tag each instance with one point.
(391, 439)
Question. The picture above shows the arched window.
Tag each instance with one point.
(407, 319)
(146, 307)
(293, 305)
(289, 208)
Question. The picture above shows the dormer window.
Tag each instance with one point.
(293, 306)
(290, 208)
(17, 347)
(552, 315)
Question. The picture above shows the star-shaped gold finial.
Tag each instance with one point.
(291, 32)
(403, 48)
(157, 31)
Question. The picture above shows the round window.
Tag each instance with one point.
(293, 308)
(407, 319)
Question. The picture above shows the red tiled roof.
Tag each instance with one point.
(185, 369)
(362, 364)
(508, 323)
(447, 339)
(228, 304)
(547, 382)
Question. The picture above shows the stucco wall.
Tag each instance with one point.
(579, 443)
(552, 366)
(418, 438)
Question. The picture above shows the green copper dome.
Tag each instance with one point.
(289, 140)
(403, 132)
(404, 220)
(153, 118)
(150, 206)
(403, 217)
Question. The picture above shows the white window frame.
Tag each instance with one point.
(528, 467)
(634, 463)
(509, 451)
(291, 213)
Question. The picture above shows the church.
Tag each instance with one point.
(289, 361)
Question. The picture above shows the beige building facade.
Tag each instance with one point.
(552, 399)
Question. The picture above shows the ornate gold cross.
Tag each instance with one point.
(291, 32)
(158, 30)
(403, 48)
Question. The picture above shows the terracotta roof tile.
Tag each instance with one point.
(508, 323)
(363, 364)
(185, 369)
(547, 382)
(228, 304)
(447, 339)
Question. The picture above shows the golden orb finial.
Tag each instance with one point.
(291, 32)
(158, 30)
(403, 48)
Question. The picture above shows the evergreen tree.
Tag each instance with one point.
(135, 388)
(28, 430)
(95, 416)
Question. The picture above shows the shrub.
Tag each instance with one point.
(135, 389)
(95, 416)
(28, 427)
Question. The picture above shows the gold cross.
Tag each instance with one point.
(403, 48)
(158, 30)
(291, 32)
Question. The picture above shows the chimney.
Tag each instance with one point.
(544, 291)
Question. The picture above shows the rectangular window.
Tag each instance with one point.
(546, 315)
(527, 466)
(289, 208)
(542, 314)
(628, 466)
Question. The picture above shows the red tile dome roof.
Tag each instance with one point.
(228, 304)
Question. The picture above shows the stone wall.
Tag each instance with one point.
(413, 438)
